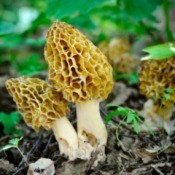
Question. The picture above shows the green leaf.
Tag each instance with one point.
(30, 66)
(9, 122)
(68, 8)
(111, 105)
(6, 28)
(130, 78)
(35, 42)
(166, 96)
(13, 143)
(129, 115)
(123, 111)
(170, 90)
(6, 147)
(159, 52)
(130, 118)
(138, 10)
(111, 115)
(136, 126)
(11, 41)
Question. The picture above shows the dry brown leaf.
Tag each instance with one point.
(42, 166)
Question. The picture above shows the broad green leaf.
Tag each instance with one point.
(60, 9)
(138, 10)
(30, 66)
(6, 28)
(35, 42)
(9, 122)
(11, 41)
(130, 78)
(159, 52)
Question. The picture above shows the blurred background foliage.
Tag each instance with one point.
(23, 26)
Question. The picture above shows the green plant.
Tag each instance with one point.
(9, 122)
(128, 115)
(167, 93)
(131, 78)
(30, 66)
(13, 143)
(160, 51)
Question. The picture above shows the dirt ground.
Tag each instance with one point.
(127, 153)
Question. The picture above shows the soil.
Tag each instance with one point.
(127, 153)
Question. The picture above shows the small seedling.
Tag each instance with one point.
(129, 116)
(13, 143)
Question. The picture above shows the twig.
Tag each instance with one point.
(48, 143)
(35, 145)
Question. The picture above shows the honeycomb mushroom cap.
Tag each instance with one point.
(117, 47)
(117, 52)
(77, 67)
(155, 76)
(39, 104)
(103, 46)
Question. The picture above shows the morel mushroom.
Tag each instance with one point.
(157, 82)
(118, 53)
(42, 106)
(81, 71)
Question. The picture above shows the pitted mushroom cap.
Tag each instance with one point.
(39, 104)
(117, 52)
(77, 67)
(155, 77)
(117, 47)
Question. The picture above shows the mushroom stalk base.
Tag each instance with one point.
(66, 136)
(92, 133)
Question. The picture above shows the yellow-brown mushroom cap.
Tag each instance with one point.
(77, 67)
(155, 77)
(118, 54)
(38, 102)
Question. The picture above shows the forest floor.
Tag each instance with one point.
(127, 153)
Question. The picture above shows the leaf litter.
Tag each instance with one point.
(127, 153)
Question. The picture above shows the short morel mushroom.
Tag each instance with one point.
(81, 71)
(42, 106)
(157, 82)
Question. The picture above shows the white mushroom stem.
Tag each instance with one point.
(66, 136)
(92, 133)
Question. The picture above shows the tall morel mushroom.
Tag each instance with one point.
(157, 79)
(41, 106)
(81, 71)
